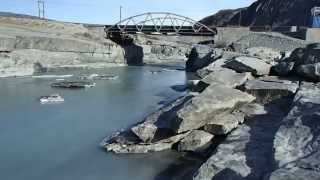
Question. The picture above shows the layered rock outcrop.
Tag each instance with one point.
(266, 13)
(51, 44)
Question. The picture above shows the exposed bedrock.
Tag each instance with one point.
(51, 45)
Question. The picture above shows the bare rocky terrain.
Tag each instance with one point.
(252, 113)
(25, 42)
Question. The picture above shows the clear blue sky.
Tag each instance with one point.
(107, 11)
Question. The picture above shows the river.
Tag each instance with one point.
(61, 141)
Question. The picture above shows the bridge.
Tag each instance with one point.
(159, 23)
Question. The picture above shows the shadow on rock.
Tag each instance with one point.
(259, 150)
(228, 174)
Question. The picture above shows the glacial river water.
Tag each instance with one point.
(61, 141)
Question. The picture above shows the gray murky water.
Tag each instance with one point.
(61, 141)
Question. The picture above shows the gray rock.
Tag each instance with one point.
(303, 62)
(227, 77)
(201, 56)
(145, 131)
(216, 65)
(253, 109)
(224, 123)
(311, 54)
(216, 99)
(296, 144)
(293, 174)
(249, 64)
(140, 148)
(195, 141)
(268, 54)
(247, 151)
(283, 68)
(156, 121)
(310, 71)
(269, 89)
(38, 68)
(7, 43)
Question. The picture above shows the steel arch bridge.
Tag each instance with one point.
(160, 23)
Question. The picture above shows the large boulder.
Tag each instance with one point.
(214, 100)
(195, 141)
(201, 56)
(154, 125)
(296, 144)
(269, 89)
(311, 54)
(303, 62)
(224, 123)
(283, 68)
(256, 66)
(227, 77)
(310, 71)
(145, 131)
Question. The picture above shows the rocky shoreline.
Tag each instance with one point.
(252, 113)
(264, 104)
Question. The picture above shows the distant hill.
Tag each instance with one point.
(9, 14)
(266, 12)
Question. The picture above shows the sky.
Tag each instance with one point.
(107, 11)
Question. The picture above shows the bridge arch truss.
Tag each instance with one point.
(160, 23)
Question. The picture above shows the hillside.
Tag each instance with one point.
(9, 14)
(266, 12)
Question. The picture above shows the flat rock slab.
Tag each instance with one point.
(195, 141)
(296, 144)
(147, 130)
(256, 66)
(214, 100)
(224, 123)
(141, 148)
(227, 77)
(268, 54)
(269, 89)
(216, 65)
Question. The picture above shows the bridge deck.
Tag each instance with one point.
(149, 29)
